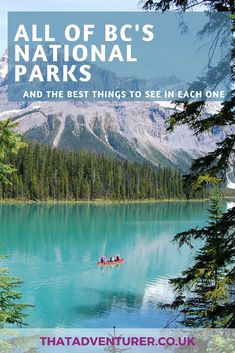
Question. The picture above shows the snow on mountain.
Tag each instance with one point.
(3, 66)
(132, 130)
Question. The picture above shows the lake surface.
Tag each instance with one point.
(54, 249)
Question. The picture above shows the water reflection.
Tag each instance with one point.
(54, 248)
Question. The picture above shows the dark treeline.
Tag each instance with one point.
(43, 173)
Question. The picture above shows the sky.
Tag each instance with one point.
(60, 5)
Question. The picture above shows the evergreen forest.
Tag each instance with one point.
(42, 174)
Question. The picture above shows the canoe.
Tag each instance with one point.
(111, 262)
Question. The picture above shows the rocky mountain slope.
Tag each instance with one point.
(132, 130)
(3, 66)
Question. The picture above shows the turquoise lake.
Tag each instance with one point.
(55, 249)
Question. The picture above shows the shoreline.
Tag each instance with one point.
(102, 202)
(94, 202)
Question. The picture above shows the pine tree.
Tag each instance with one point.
(11, 311)
(211, 280)
(43, 173)
(204, 293)
(10, 142)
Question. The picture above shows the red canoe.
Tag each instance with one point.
(111, 262)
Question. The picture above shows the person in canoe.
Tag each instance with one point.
(103, 258)
(112, 258)
(118, 257)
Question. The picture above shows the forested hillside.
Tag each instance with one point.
(43, 173)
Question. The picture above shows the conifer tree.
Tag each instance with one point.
(204, 292)
(10, 142)
(73, 175)
(11, 311)
(210, 281)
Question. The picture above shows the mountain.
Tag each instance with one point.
(3, 66)
(132, 130)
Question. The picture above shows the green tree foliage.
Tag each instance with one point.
(11, 311)
(205, 292)
(10, 142)
(211, 167)
(53, 174)
(184, 5)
